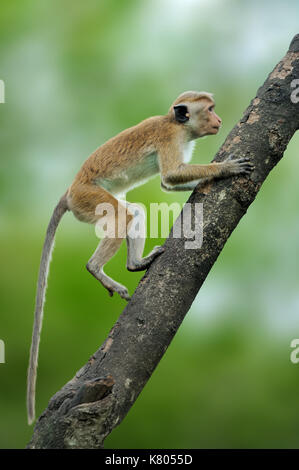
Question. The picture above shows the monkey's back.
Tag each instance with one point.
(126, 159)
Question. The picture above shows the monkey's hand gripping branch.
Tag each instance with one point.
(87, 409)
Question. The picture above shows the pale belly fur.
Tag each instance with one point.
(132, 176)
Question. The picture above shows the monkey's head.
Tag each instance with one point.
(195, 111)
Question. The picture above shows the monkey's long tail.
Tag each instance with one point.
(59, 210)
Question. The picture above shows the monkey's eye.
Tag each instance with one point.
(211, 108)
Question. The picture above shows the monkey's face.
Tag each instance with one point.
(203, 119)
(198, 117)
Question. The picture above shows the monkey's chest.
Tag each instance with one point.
(188, 150)
(132, 176)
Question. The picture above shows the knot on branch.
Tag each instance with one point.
(294, 46)
(91, 391)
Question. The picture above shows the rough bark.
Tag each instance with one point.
(97, 399)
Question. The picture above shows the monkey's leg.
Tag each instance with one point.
(104, 252)
(93, 204)
(136, 240)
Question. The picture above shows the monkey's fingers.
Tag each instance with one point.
(247, 169)
(247, 165)
(231, 158)
(243, 160)
(241, 166)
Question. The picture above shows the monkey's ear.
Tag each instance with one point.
(181, 113)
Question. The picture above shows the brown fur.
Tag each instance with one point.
(160, 134)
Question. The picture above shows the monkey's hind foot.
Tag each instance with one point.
(144, 263)
(109, 284)
(121, 290)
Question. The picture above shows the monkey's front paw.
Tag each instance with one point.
(239, 166)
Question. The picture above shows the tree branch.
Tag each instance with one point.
(97, 399)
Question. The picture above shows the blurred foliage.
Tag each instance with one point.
(77, 73)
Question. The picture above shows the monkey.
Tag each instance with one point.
(160, 144)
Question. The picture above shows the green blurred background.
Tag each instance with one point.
(77, 73)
